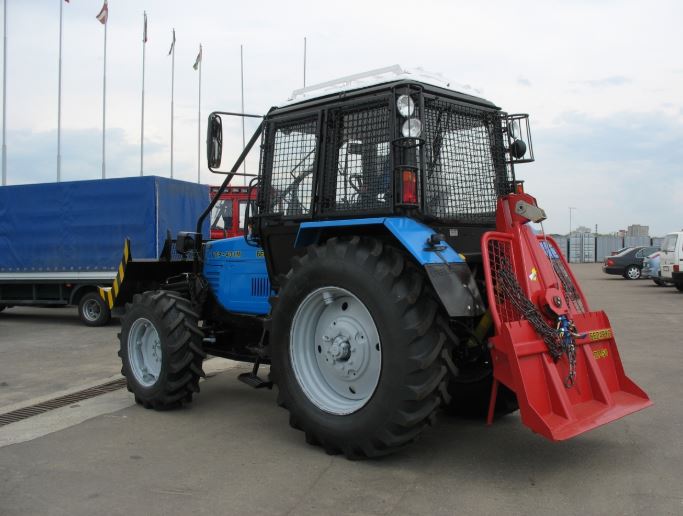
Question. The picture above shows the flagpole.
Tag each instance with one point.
(199, 115)
(244, 163)
(104, 103)
(59, 99)
(172, 93)
(142, 115)
(4, 93)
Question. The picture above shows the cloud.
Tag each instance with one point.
(32, 155)
(613, 80)
(617, 170)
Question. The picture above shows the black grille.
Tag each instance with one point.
(290, 162)
(464, 162)
(358, 160)
(260, 286)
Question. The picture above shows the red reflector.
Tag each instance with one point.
(676, 268)
(610, 262)
(409, 187)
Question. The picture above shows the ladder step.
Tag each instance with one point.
(255, 381)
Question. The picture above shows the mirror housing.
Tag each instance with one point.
(187, 241)
(518, 149)
(214, 141)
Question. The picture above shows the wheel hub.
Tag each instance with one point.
(335, 350)
(340, 350)
(144, 352)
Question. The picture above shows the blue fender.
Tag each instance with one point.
(412, 234)
(447, 271)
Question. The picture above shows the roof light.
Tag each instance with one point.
(405, 105)
(412, 128)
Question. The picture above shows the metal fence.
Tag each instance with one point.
(586, 248)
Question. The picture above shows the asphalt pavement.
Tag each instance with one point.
(232, 451)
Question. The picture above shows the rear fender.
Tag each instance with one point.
(448, 272)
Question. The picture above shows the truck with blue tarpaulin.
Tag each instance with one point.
(60, 242)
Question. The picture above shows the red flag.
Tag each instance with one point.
(104, 14)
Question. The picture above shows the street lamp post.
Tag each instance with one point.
(570, 219)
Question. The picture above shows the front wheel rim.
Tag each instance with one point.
(633, 273)
(335, 350)
(144, 352)
(92, 310)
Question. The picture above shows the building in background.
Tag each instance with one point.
(581, 230)
(636, 230)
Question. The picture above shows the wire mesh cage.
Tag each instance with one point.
(465, 168)
(289, 164)
(357, 175)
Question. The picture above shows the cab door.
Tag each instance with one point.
(671, 253)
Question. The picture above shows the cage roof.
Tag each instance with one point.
(380, 76)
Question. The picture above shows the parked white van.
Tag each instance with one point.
(672, 259)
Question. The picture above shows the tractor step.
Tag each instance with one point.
(255, 381)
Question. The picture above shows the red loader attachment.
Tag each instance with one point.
(558, 357)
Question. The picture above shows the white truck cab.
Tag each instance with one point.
(672, 259)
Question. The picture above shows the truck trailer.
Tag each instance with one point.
(60, 242)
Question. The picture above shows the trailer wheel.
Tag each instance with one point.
(356, 351)
(161, 350)
(93, 311)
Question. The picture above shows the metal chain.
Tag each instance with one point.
(559, 340)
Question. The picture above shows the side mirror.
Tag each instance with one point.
(214, 141)
(519, 146)
(518, 149)
(187, 241)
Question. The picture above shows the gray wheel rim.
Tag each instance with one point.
(335, 350)
(633, 273)
(92, 310)
(144, 352)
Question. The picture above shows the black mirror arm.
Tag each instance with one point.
(230, 175)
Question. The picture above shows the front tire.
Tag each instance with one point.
(93, 311)
(356, 350)
(161, 350)
(632, 272)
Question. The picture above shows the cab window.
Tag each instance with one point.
(669, 244)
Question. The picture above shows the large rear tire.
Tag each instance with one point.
(356, 350)
(161, 350)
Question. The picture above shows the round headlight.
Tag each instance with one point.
(405, 105)
(412, 128)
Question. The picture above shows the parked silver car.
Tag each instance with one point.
(651, 268)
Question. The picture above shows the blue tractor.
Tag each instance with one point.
(360, 279)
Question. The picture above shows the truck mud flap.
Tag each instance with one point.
(553, 401)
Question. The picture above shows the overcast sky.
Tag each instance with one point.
(601, 79)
